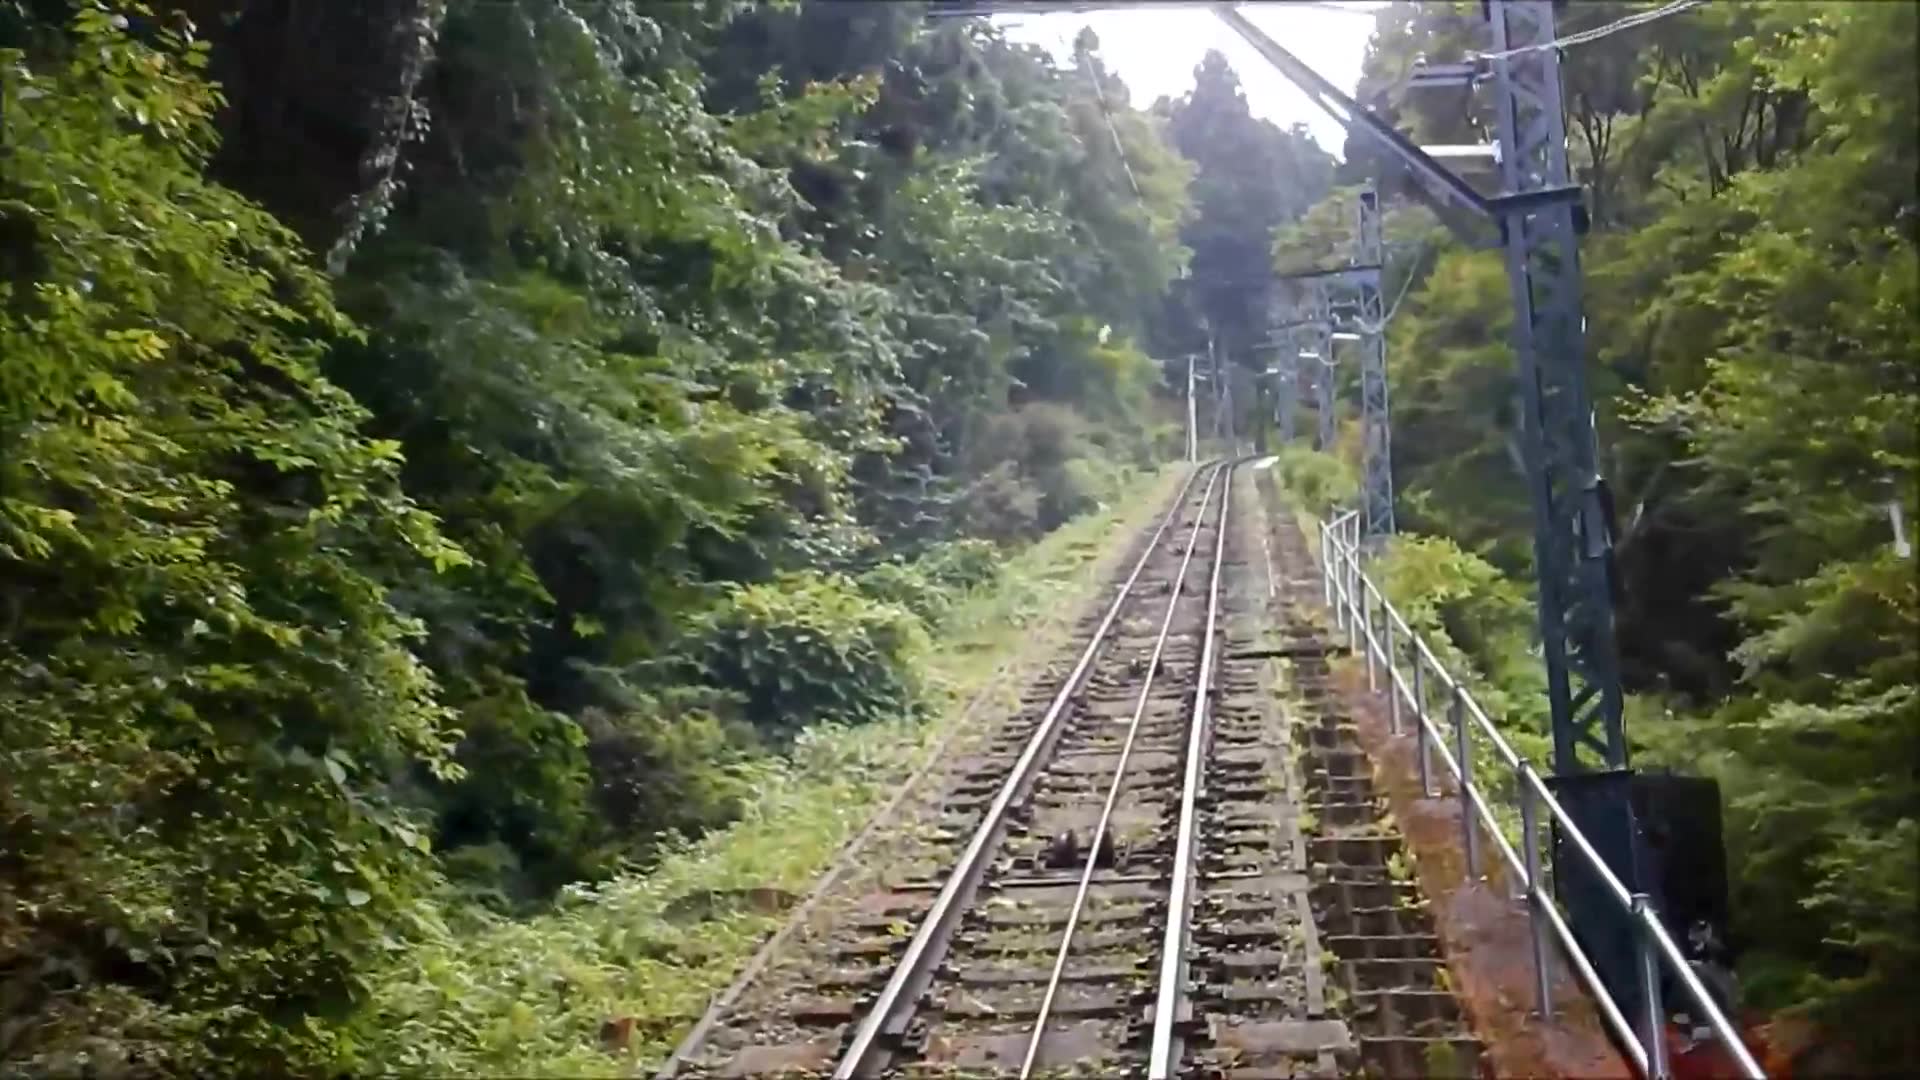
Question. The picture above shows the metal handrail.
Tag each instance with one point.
(1354, 599)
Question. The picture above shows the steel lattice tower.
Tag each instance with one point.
(1573, 542)
(1288, 392)
(1377, 486)
(1324, 372)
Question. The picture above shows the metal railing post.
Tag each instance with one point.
(1354, 598)
(1343, 596)
(1536, 892)
(1425, 755)
(1326, 568)
(1463, 759)
(1393, 669)
(1654, 1039)
(1419, 682)
(1353, 550)
(1367, 638)
(1346, 586)
(1419, 679)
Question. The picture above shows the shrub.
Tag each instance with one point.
(908, 584)
(526, 785)
(1321, 482)
(1440, 587)
(962, 564)
(662, 769)
(207, 693)
(1068, 490)
(929, 585)
(1001, 507)
(805, 648)
(1044, 436)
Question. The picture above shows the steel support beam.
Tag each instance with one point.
(1325, 369)
(1573, 542)
(1287, 395)
(1433, 176)
(1287, 328)
(1376, 426)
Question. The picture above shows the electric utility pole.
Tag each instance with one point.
(1193, 431)
(1213, 370)
(1223, 401)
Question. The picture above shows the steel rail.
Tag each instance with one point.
(1163, 1057)
(1038, 1034)
(895, 999)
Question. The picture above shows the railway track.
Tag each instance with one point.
(1112, 880)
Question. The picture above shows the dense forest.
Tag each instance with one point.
(445, 445)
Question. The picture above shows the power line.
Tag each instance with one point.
(1022, 9)
(1598, 32)
(1412, 273)
(1106, 114)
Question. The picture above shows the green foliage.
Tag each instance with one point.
(526, 562)
(1751, 280)
(1043, 465)
(1250, 179)
(1480, 624)
(930, 584)
(1830, 673)
(495, 996)
(1319, 483)
(962, 564)
(667, 767)
(1456, 425)
(207, 690)
(908, 585)
(499, 997)
(808, 648)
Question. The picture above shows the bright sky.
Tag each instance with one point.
(1154, 51)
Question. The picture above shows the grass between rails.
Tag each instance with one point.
(498, 997)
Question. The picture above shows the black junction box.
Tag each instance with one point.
(1660, 834)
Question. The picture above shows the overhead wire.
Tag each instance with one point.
(1106, 114)
(1413, 272)
(1016, 9)
(1582, 37)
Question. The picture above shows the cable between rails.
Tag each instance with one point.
(1038, 1032)
(935, 924)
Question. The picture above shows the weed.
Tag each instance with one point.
(1443, 1060)
(1400, 866)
